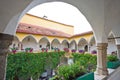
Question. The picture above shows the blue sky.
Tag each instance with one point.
(63, 13)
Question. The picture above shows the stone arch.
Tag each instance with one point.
(30, 42)
(73, 45)
(29, 35)
(55, 44)
(44, 43)
(82, 44)
(64, 44)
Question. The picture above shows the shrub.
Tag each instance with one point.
(87, 60)
(23, 66)
(112, 58)
(69, 72)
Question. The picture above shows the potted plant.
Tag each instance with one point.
(81, 51)
(94, 52)
(66, 50)
(74, 72)
(73, 50)
(14, 50)
(112, 61)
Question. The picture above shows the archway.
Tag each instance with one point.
(100, 15)
(44, 43)
(92, 44)
(55, 44)
(73, 45)
(64, 44)
(112, 48)
(16, 43)
(30, 42)
(83, 45)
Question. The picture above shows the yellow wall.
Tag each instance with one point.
(30, 19)
(21, 36)
(87, 37)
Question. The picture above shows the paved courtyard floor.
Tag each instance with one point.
(98, 77)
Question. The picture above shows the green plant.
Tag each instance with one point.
(24, 66)
(87, 60)
(68, 72)
(112, 58)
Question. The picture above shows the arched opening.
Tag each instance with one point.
(89, 9)
(83, 45)
(55, 44)
(92, 45)
(44, 43)
(64, 44)
(30, 42)
(73, 45)
(112, 48)
(86, 48)
(15, 44)
(59, 11)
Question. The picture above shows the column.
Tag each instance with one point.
(102, 59)
(118, 51)
(5, 42)
(76, 47)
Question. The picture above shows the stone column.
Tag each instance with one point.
(101, 59)
(118, 51)
(50, 47)
(5, 42)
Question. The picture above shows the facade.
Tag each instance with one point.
(30, 34)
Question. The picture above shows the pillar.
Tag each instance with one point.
(118, 51)
(5, 42)
(50, 49)
(102, 59)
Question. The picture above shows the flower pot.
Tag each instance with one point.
(113, 64)
(88, 76)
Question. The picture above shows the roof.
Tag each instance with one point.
(34, 29)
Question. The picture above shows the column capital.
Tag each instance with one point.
(118, 46)
(102, 44)
(5, 41)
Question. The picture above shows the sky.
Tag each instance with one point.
(63, 13)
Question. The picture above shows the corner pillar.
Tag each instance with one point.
(102, 59)
(5, 42)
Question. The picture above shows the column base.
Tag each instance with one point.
(102, 71)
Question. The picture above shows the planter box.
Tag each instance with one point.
(88, 76)
(113, 65)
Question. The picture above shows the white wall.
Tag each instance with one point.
(111, 47)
